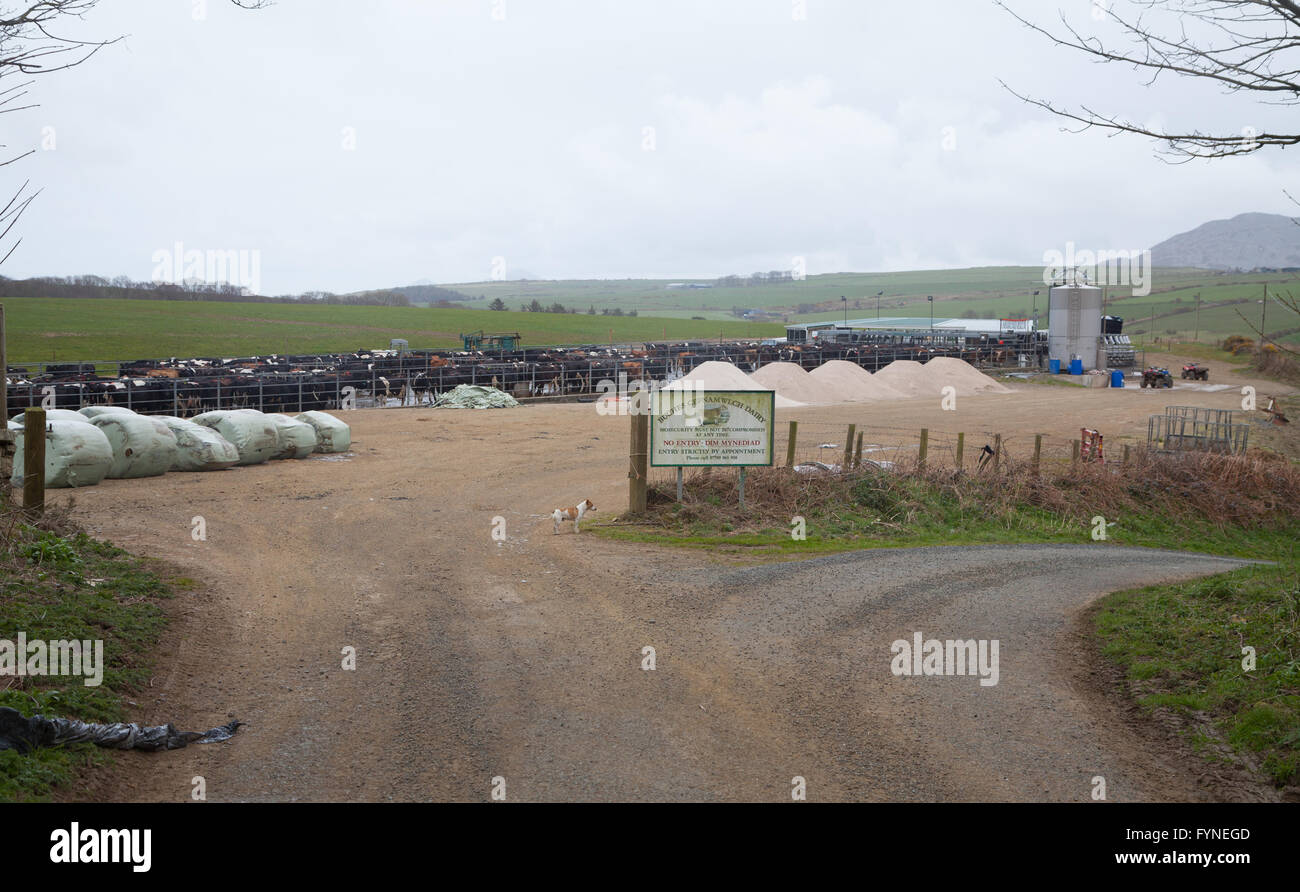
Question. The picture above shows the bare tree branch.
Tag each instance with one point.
(32, 43)
(1245, 46)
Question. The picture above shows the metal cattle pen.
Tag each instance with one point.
(417, 377)
(1188, 432)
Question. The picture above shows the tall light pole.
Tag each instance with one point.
(930, 298)
(1034, 311)
(845, 301)
(878, 295)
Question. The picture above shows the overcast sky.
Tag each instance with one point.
(366, 144)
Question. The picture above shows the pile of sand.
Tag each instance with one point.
(840, 381)
(844, 381)
(714, 375)
(967, 379)
(912, 379)
(907, 377)
(792, 382)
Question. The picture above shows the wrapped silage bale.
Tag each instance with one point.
(199, 448)
(16, 423)
(332, 435)
(96, 411)
(142, 445)
(251, 433)
(297, 439)
(76, 454)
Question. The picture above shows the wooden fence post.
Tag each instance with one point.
(925, 448)
(638, 456)
(1074, 457)
(789, 447)
(997, 452)
(961, 449)
(1126, 453)
(848, 448)
(1038, 451)
(857, 452)
(34, 462)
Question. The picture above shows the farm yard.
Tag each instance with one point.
(392, 377)
(667, 402)
(518, 656)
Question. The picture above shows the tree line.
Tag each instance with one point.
(123, 288)
(538, 307)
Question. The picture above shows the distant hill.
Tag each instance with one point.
(1246, 242)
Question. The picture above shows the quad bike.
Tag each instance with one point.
(1154, 377)
(1196, 371)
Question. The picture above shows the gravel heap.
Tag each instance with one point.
(916, 380)
(792, 382)
(850, 382)
(716, 375)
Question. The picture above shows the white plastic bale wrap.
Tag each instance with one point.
(251, 433)
(332, 435)
(297, 438)
(16, 422)
(76, 454)
(96, 411)
(142, 445)
(199, 448)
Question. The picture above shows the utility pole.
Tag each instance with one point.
(1263, 320)
(1196, 337)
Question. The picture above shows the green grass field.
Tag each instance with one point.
(52, 330)
(49, 329)
(985, 291)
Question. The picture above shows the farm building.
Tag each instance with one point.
(1108, 345)
(1016, 335)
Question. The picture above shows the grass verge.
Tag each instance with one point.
(59, 584)
(1189, 648)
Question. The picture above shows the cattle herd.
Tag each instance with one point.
(280, 383)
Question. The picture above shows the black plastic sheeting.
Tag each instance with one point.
(25, 734)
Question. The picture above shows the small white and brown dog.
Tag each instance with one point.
(574, 514)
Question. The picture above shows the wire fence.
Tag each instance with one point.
(833, 447)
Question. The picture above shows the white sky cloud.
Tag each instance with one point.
(523, 138)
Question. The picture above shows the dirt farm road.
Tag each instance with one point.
(521, 659)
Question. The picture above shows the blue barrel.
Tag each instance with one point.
(1117, 378)
(1054, 366)
(1076, 366)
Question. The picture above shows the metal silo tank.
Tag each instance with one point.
(1074, 325)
